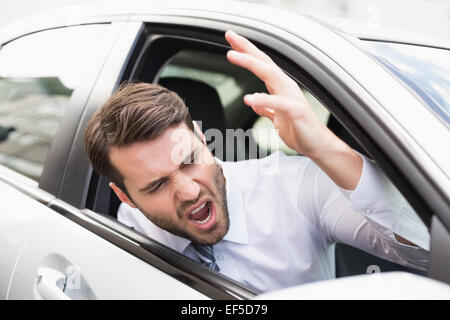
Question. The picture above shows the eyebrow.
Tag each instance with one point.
(154, 183)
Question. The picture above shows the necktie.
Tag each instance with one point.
(206, 255)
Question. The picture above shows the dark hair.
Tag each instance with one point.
(136, 112)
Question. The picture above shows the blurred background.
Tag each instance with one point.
(425, 17)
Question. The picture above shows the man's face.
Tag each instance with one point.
(175, 181)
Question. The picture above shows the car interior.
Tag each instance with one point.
(213, 90)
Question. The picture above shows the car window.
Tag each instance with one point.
(231, 85)
(38, 75)
(186, 64)
(424, 70)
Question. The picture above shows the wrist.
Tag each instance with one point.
(340, 162)
(325, 144)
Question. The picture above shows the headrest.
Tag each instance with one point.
(202, 100)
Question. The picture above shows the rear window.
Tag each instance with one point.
(38, 75)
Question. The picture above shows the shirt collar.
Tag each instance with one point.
(237, 231)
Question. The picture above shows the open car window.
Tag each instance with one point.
(208, 70)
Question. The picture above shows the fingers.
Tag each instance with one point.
(260, 68)
(241, 44)
(261, 101)
(264, 112)
(285, 93)
(248, 56)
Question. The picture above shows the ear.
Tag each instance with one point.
(121, 195)
(199, 132)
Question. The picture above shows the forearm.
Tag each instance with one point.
(344, 166)
(370, 218)
(340, 162)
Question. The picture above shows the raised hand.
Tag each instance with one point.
(285, 105)
(293, 117)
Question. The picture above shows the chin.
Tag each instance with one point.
(215, 235)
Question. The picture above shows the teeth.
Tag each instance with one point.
(199, 208)
(206, 219)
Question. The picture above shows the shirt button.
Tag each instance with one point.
(220, 257)
(368, 211)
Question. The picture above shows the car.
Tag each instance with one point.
(386, 97)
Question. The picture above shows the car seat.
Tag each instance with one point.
(201, 99)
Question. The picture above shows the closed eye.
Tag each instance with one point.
(158, 185)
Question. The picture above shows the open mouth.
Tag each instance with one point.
(202, 214)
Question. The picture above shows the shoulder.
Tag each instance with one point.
(277, 170)
(272, 165)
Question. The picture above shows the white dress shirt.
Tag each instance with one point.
(286, 215)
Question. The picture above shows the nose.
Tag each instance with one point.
(187, 189)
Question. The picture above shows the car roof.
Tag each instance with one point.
(365, 31)
(119, 11)
(103, 11)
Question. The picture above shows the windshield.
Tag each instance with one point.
(424, 70)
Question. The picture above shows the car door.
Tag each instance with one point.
(46, 79)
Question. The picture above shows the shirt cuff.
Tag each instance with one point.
(376, 198)
(371, 179)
